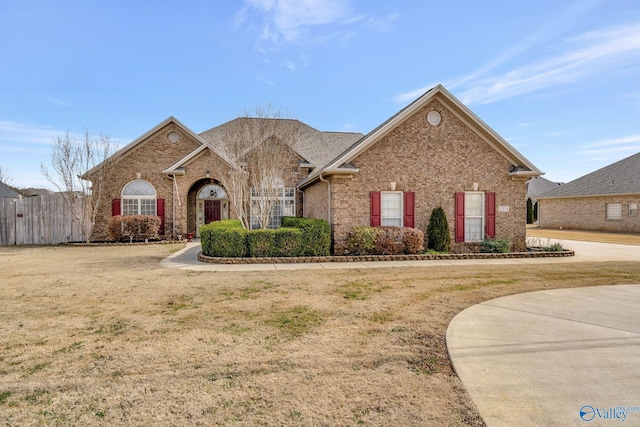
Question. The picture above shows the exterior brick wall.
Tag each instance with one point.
(316, 201)
(155, 154)
(435, 162)
(588, 213)
(149, 158)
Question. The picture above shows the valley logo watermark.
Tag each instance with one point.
(589, 413)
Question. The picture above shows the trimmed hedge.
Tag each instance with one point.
(133, 227)
(316, 235)
(229, 239)
(224, 239)
(386, 240)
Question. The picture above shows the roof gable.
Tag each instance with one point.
(622, 177)
(124, 151)
(521, 166)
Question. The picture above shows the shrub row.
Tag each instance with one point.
(134, 227)
(385, 240)
(297, 237)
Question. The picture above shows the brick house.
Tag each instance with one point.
(434, 152)
(604, 200)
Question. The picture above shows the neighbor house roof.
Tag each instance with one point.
(521, 166)
(6, 191)
(539, 185)
(622, 177)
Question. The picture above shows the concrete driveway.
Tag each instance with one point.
(560, 357)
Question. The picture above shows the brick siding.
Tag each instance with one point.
(435, 162)
(588, 213)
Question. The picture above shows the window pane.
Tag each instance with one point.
(472, 229)
(391, 204)
(397, 222)
(129, 206)
(614, 210)
(138, 188)
(147, 207)
(473, 204)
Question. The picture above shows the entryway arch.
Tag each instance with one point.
(208, 202)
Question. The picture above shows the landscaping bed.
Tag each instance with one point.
(372, 258)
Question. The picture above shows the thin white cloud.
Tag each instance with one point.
(631, 139)
(304, 22)
(14, 132)
(587, 55)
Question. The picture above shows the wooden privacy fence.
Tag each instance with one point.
(40, 220)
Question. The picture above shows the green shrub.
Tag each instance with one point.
(133, 227)
(362, 240)
(224, 239)
(413, 240)
(289, 242)
(316, 235)
(495, 245)
(438, 237)
(261, 243)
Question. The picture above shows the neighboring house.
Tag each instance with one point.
(538, 185)
(8, 192)
(605, 200)
(435, 152)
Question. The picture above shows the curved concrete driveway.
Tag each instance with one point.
(560, 357)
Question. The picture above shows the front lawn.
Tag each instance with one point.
(105, 336)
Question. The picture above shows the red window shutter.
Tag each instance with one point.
(115, 207)
(459, 218)
(375, 210)
(490, 214)
(160, 212)
(409, 209)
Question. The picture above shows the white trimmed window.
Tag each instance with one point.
(391, 207)
(473, 216)
(138, 198)
(633, 209)
(285, 205)
(614, 211)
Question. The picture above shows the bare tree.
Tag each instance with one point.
(5, 176)
(79, 170)
(261, 150)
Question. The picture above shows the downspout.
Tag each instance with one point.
(174, 194)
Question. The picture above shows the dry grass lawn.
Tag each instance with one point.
(105, 336)
(584, 235)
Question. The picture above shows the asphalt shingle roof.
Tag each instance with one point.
(315, 146)
(622, 177)
(6, 191)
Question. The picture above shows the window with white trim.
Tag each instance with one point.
(391, 207)
(633, 209)
(614, 211)
(473, 216)
(284, 204)
(138, 198)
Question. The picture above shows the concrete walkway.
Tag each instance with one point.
(187, 259)
(552, 358)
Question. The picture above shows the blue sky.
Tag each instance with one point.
(559, 80)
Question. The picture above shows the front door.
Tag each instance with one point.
(211, 211)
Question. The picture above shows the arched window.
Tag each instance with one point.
(138, 198)
(212, 192)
